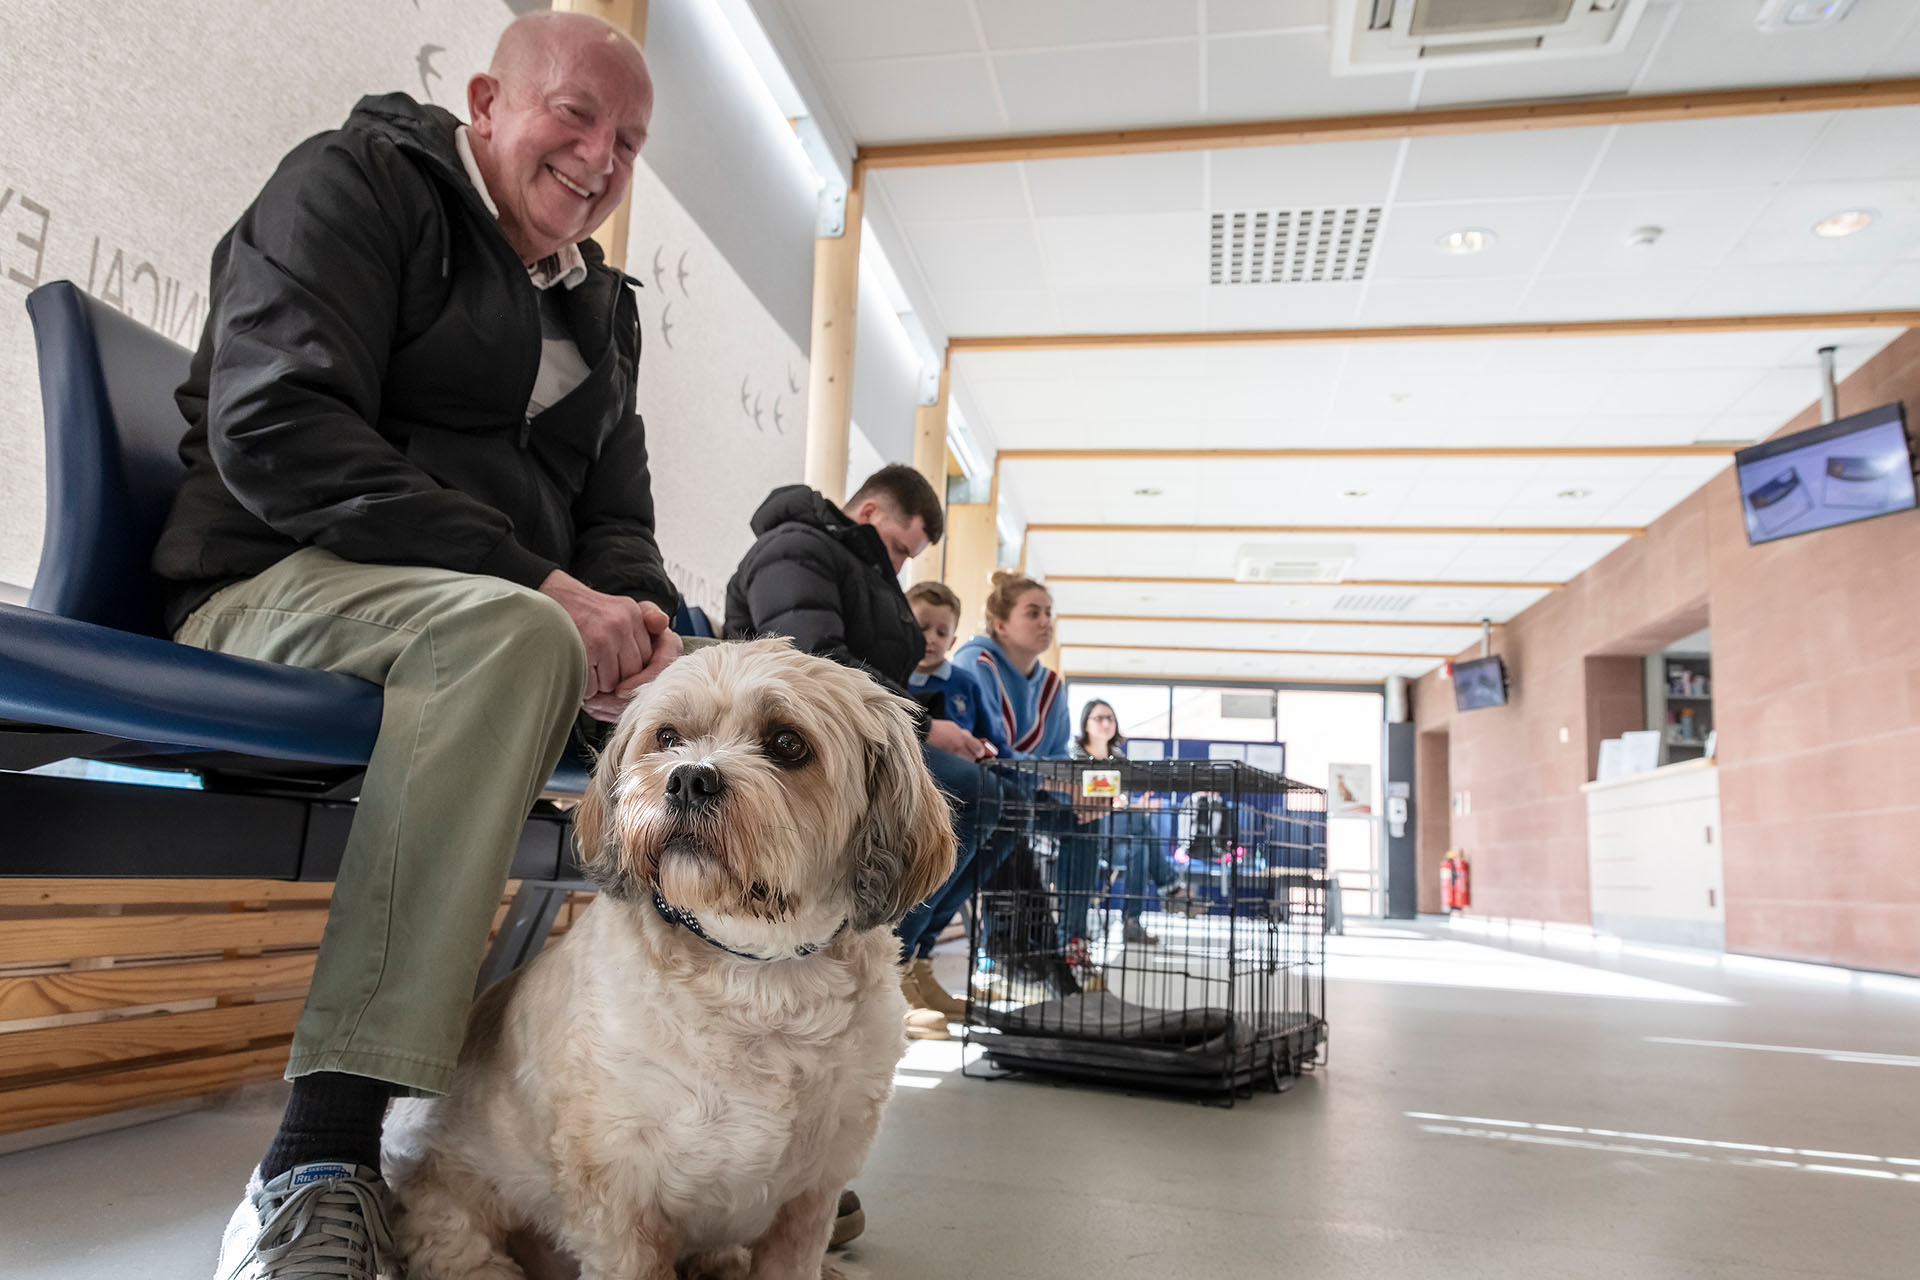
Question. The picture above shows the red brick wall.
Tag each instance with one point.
(1816, 664)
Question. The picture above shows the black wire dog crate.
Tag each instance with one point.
(1151, 924)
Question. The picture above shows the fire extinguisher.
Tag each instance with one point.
(1462, 884)
(1449, 868)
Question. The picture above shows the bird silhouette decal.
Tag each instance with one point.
(779, 424)
(659, 270)
(666, 325)
(792, 385)
(756, 413)
(424, 61)
(681, 268)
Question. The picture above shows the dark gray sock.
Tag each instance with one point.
(331, 1116)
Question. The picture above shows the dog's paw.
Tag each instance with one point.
(841, 1269)
(721, 1264)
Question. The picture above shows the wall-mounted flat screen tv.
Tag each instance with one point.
(1480, 683)
(1853, 468)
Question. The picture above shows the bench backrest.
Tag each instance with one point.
(113, 460)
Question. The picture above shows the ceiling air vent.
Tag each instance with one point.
(1273, 562)
(1389, 35)
(1293, 246)
(1378, 602)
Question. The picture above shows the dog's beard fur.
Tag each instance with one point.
(635, 1089)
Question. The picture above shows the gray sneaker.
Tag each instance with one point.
(325, 1221)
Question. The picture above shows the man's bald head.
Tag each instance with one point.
(537, 44)
(557, 122)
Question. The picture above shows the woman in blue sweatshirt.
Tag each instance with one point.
(1023, 704)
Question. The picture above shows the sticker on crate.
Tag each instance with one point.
(1100, 784)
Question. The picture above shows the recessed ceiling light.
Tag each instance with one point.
(1644, 237)
(1466, 240)
(1399, 397)
(1148, 493)
(1844, 223)
(1353, 493)
(1574, 495)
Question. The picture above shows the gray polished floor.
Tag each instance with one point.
(1492, 1108)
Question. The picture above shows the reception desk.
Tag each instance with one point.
(1653, 856)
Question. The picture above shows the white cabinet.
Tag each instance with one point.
(1653, 856)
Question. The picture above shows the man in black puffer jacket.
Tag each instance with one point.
(829, 579)
(414, 458)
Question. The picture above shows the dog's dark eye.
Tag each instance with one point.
(788, 747)
(666, 737)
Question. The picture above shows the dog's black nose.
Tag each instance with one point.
(694, 786)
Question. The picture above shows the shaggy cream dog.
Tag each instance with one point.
(700, 1064)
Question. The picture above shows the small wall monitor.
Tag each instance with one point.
(1853, 468)
(1480, 683)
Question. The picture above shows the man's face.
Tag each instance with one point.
(560, 137)
(937, 624)
(904, 538)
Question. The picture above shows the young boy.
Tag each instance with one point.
(946, 691)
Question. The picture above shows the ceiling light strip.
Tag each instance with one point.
(1357, 530)
(1880, 319)
(1437, 584)
(1385, 655)
(1269, 622)
(1432, 122)
(1470, 453)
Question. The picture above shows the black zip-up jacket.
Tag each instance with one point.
(815, 575)
(371, 344)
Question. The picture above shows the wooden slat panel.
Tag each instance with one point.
(90, 990)
(63, 939)
(39, 1053)
(45, 1104)
(38, 892)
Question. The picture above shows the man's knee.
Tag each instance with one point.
(526, 637)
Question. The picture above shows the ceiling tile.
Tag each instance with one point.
(1408, 248)
(846, 29)
(1113, 251)
(1124, 310)
(1391, 302)
(1013, 24)
(1265, 15)
(1865, 146)
(901, 101)
(1283, 306)
(1118, 184)
(953, 193)
(1718, 45)
(1689, 155)
(1000, 311)
(1101, 87)
(1610, 297)
(1337, 173)
(1487, 166)
(1695, 230)
(1777, 290)
(1784, 230)
(966, 256)
(1260, 77)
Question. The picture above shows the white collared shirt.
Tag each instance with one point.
(565, 267)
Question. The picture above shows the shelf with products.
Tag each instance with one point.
(1683, 686)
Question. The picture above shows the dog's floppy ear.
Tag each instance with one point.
(596, 828)
(903, 848)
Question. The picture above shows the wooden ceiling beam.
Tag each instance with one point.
(1430, 122)
(1438, 584)
(1886, 318)
(1355, 530)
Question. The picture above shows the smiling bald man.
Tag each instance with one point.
(413, 457)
